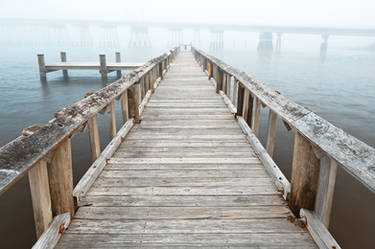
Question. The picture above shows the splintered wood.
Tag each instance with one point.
(184, 177)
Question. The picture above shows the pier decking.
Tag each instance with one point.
(185, 177)
(186, 169)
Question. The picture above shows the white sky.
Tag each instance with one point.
(340, 13)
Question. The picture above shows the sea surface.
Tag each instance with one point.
(338, 85)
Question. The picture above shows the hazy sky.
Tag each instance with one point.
(346, 13)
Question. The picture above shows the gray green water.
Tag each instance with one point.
(341, 90)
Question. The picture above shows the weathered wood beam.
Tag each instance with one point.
(326, 187)
(103, 67)
(42, 67)
(41, 197)
(133, 96)
(60, 177)
(318, 231)
(112, 119)
(234, 93)
(94, 137)
(52, 235)
(124, 107)
(305, 174)
(256, 117)
(271, 132)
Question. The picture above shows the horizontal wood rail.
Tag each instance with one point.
(319, 146)
(45, 152)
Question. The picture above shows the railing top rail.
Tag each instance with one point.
(20, 155)
(355, 156)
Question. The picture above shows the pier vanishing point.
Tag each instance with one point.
(186, 169)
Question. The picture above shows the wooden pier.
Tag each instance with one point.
(102, 66)
(186, 169)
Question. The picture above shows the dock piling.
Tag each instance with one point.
(63, 59)
(42, 67)
(118, 60)
(103, 67)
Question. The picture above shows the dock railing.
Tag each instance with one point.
(44, 153)
(319, 146)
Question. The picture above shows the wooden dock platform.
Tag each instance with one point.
(102, 66)
(185, 177)
(186, 169)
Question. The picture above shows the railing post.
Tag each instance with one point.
(219, 80)
(124, 107)
(41, 197)
(60, 177)
(228, 84)
(240, 99)
(118, 60)
(112, 119)
(256, 117)
(161, 70)
(63, 59)
(152, 80)
(272, 117)
(42, 67)
(326, 187)
(234, 93)
(94, 138)
(103, 67)
(305, 174)
(133, 95)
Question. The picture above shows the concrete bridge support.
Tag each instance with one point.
(278, 42)
(139, 37)
(176, 37)
(324, 47)
(266, 42)
(217, 40)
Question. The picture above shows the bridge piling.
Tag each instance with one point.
(103, 67)
(63, 59)
(42, 67)
(118, 60)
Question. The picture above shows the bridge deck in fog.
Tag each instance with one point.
(185, 177)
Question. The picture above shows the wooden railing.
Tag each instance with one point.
(319, 146)
(45, 152)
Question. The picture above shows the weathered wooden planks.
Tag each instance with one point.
(184, 178)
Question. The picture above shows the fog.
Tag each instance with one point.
(336, 13)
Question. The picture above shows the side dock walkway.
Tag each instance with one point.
(185, 177)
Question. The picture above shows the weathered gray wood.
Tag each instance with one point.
(94, 138)
(63, 59)
(355, 156)
(318, 231)
(256, 117)
(40, 196)
(18, 156)
(96, 168)
(124, 107)
(235, 89)
(280, 180)
(305, 175)
(112, 120)
(118, 60)
(60, 176)
(133, 95)
(103, 67)
(42, 67)
(229, 104)
(271, 131)
(326, 187)
(51, 236)
(111, 66)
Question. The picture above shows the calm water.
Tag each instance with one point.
(341, 89)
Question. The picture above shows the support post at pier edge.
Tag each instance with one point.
(103, 67)
(60, 177)
(42, 67)
(118, 60)
(63, 59)
(305, 175)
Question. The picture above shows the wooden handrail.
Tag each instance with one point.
(22, 154)
(353, 155)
